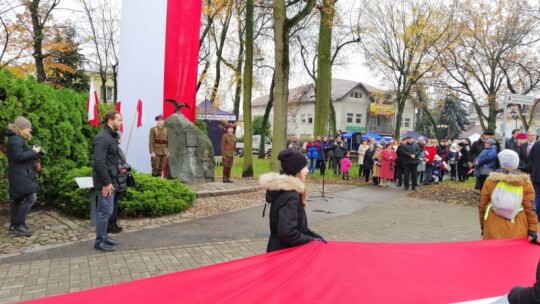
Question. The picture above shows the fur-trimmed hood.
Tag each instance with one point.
(512, 177)
(279, 182)
(14, 130)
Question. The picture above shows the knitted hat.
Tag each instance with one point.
(491, 141)
(521, 136)
(292, 161)
(508, 159)
(489, 132)
(22, 123)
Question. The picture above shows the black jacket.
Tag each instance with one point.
(476, 148)
(399, 160)
(106, 159)
(368, 159)
(406, 151)
(526, 295)
(339, 149)
(464, 159)
(533, 166)
(22, 176)
(288, 220)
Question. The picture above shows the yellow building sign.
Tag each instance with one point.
(381, 109)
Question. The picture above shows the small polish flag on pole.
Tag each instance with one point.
(92, 106)
(119, 110)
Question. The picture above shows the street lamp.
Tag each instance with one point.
(514, 115)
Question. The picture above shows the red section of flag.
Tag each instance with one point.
(139, 113)
(340, 272)
(181, 55)
(119, 110)
(92, 106)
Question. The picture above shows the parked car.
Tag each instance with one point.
(256, 140)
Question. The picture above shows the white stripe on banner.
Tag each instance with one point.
(495, 300)
(141, 69)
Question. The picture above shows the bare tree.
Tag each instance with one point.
(403, 41)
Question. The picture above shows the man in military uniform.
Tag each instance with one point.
(159, 145)
(228, 146)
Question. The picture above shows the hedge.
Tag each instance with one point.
(151, 197)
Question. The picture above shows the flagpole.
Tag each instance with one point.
(131, 131)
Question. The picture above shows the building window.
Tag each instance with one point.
(406, 122)
(356, 95)
(310, 119)
(303, 119)
(291, 119)
(358, 118)
(109, 93)
(350, 117)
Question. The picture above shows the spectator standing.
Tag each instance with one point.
(463, 162)
(486, 159)
(106, 162)
(368, 162)
(452, 159)
(295, 144)
(377, 164)
(322, 157)
(388, 157)
(339, 150)
(410, 163)
(533, 167)
(430, 150)
(312, 153)
(399, 163)
(361, 153)
(512, 142)
(22, 174)
(526, 147)
(345, 166)
(505, 211)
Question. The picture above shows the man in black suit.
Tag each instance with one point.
(533, 167)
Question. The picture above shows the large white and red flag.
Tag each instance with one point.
(341, 272)
(159, 61)
(92, 105)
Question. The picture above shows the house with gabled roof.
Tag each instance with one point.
(358, 107)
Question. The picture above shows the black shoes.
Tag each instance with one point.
(114, 228)
(104, 247)
(21, 230)
(229, 180)
(112, 242)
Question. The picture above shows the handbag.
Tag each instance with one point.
(130, 180)
(485, 171)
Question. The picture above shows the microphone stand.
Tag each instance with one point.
(325, 197)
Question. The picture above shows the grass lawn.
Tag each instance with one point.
(261, 166)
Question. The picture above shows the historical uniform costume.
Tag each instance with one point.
(228, 146)
(159, 145)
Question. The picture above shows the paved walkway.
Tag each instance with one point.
(361, 214)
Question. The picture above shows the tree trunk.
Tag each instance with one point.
(262, 152)
(219, 53)
(332, 128)
(399, 115)
(38, 40)
(115, 81)
(324, 69)
(247, 169)
(281, 79)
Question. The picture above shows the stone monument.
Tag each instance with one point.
(190, 151)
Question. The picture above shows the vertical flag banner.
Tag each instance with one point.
(92, 106)
(119, 110)
(159, 61)
(181, 55)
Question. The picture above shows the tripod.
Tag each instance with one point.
(325, 197)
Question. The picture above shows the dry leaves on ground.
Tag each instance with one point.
(450, 192)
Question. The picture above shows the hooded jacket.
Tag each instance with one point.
(21, 169)
(498, 227)
(288, 220)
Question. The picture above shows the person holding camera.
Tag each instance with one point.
(124, 169)
(106, 162)
(22, 174)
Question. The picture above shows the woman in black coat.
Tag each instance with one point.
(287, 194)
(22, 175)
(463, 162)
(368, 162)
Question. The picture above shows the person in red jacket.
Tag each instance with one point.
(430, 150)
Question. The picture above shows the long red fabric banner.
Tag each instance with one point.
(181, 55)
(340, 272)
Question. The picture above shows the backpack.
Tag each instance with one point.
(506, 200)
